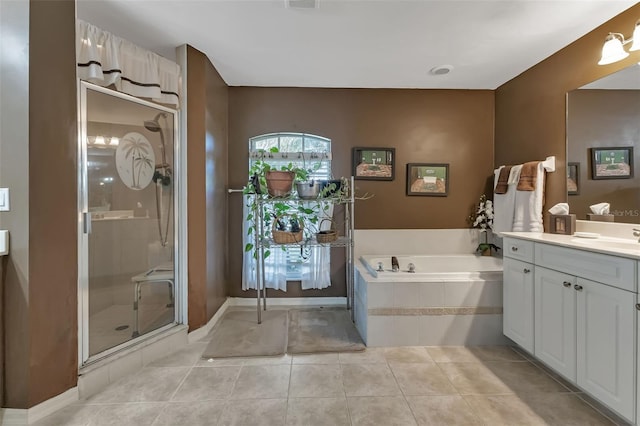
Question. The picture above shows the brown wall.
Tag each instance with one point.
(604, 118)
(216, 159)
(45, 356)
(207, 106)
(432, 126)
(530, 109)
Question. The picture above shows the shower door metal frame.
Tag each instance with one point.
(179, 209)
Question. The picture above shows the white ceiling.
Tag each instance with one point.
(358, 43)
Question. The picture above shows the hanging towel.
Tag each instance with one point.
(528, 176)
(528, 204)
(504, 204)
(503, 180)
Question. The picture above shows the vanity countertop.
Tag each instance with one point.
(623, 247)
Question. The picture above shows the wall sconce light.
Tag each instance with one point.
(613, 49)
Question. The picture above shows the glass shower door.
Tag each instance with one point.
(128, 283)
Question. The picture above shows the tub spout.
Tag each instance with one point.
(395, 266)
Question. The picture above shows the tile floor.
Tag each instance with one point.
(380, 386)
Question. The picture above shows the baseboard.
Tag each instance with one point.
(201, 332)
(290, 301)
(11, 416)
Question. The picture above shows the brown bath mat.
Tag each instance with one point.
(322, 330)
(240, 335)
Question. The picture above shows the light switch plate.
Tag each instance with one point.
(4, 199)
(4, 242)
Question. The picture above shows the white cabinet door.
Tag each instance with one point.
(555, 321)
(606, 344)
(518, 302)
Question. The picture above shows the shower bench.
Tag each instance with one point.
(159, 274)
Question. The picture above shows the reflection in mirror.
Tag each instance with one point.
(605, 114)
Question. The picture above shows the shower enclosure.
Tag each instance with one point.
(127, 238)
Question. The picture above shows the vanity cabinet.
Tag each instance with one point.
(582, 314)
(555, 320)
(517, 288)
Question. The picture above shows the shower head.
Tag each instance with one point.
(154, 125)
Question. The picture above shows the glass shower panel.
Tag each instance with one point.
(129, 199)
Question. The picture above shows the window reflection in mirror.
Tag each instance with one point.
(604, 114)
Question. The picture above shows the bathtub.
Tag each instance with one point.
(449, 300)
(435, 267)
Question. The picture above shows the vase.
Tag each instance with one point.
(279, 183)
(486, 252)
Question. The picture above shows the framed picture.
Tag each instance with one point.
(374, 163)
(573, 178)
(612, 163)
(428, 179)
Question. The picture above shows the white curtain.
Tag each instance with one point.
(105, 59)
(318, 275)
(275, 274)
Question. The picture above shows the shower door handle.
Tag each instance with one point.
(86, 222)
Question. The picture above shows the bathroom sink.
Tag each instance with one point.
(608, 243)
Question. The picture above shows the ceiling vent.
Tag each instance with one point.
(301, 4)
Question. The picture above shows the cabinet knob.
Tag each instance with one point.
(578, 287)
(638, 306)
(526, 271)
(566, 284)
(513, 248)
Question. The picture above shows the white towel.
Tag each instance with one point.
(504, 204)
(528, 206)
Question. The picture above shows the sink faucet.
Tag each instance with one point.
(636, 233)
(395, 266)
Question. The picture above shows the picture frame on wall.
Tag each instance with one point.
(373, 163)
(573, 178)
(430, 179)
(612, 163)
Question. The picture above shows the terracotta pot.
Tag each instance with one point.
(279, 183)
(486, 252)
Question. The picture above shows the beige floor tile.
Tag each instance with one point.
(317, 412)
(380, 411)
(473, 353)
(204, 383)
(254, 412)
(524, 377)
(407, 354)
(72, 415)
(219, 362)
(193, 413)
(269, 360)
(150, 384)
(262, 381)
(368, 356)
(421, 379)
(328, 358)
(130, 414)
(452, 354)
(473, 378)
(439, 410)
(503, 410)
(564, 409)
(369, 380)
(496, 353)
(186, 357)
(316, 381)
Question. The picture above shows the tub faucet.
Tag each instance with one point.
(380, 267)
(636, 233)
(412, 268)
(395, 266)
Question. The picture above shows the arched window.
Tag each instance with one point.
(303, 150)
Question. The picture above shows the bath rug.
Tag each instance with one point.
(240, 335)
(322, 330)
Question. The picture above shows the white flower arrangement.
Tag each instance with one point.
(483, 220)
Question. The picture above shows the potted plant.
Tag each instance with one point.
(483, 220)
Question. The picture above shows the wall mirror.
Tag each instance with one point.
(603, 122)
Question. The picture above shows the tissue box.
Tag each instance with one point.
(563, 224)
(600, 217)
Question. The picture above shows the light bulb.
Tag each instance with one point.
(612, 51)
(114, 141)
(636, 38)
(99, 140)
